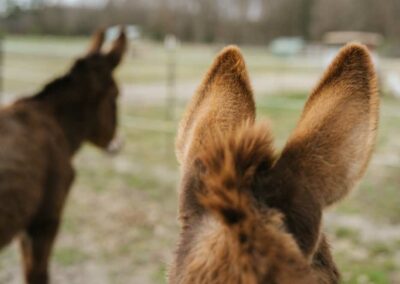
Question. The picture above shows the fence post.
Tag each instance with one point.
(171, 46)
(1, 67)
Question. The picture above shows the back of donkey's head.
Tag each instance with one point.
(94, 74)
(250, 216)
(89, 90)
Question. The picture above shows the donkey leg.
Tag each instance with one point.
(36, 246)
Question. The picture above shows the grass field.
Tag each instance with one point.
(120, 221)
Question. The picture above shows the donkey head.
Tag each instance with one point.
(249, 215)
(93, 73)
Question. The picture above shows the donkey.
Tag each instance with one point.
(39, 137)
(249, 215)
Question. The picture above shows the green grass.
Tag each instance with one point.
(347, 233)
(370, 270)
(69, 256)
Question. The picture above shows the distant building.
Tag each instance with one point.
(340, 38)
(337, 39)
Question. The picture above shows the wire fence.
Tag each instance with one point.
(172, 99)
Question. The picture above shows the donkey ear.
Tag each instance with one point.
(222, 102)
(97, 41)
(330, 148)
(118, 49)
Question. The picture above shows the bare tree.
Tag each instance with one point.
(211, 20)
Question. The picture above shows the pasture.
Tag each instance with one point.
(120, 221)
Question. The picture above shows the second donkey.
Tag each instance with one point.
(39, 136)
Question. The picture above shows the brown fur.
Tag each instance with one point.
(248, 215)
(39, 136)
(204, 111)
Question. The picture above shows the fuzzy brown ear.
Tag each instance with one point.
(330, 148)
(223, 102)
(118, 49)
(97, 42)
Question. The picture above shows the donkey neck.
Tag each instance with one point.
(72, 119)
(66, 104)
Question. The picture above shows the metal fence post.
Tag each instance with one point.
(1, 67)
(170, 45)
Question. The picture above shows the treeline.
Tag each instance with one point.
(239, 21)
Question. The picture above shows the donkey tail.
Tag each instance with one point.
(228, 165)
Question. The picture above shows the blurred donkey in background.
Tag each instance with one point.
(39, 137)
